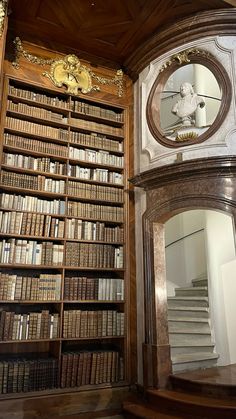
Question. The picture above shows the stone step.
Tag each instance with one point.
(195, 365)
(202, 312)
(193, 327)
(192, 348)
(193, 357)
(188, 337)
(187, 319)
(201, 281)
(187, 301)
(191, 291)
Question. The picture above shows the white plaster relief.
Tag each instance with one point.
(223, 48)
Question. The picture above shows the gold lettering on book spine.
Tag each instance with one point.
(69, 72)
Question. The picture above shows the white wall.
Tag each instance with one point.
(185, 249)
(220, 250)
(228, 284)
(211, 250)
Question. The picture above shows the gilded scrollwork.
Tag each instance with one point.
(69, 72)
(3, 12)
(117, 80)
(20, 51)
(183, 57)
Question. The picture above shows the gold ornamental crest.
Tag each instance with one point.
(69, 72)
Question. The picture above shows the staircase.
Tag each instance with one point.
(189, 327)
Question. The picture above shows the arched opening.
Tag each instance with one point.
(200, 266)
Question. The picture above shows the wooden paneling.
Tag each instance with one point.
(100, 28)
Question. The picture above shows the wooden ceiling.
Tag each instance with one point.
(108, 29)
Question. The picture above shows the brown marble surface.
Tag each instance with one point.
(217, 375)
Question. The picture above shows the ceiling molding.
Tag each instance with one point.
(197, 26)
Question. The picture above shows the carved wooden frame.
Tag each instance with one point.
(182, 59)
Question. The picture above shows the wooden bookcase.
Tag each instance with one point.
(63, 234)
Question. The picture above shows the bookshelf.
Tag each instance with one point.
(63, 276)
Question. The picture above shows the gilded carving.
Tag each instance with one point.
(186, 136)
(3, 11)
(184, 57)
(117, 80)
(19, 50)
(69, 72)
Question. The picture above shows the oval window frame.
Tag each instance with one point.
(190, 56)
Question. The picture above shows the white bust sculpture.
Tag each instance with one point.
(187, 105)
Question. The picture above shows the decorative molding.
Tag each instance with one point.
(184, 57)
(69, 72)
(221, 166)
(3, 12)
(117, 80)
(20, 51)
(198, 26)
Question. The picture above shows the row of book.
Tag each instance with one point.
(96, 192)
(98, 175)
(26, 223)
(42, 287)
(36, 112)
(28, 373)
(47, 287)
(81, 107)
(92, 324)
(86, 288)
(97, 127)
(79, 138)
(37, 224)
(25, 252)
(93, 156)
(44, 164)
(29, 326)
(74, 105)
(94, 255)
(89, 368)
(39, 97)
(33, 224)
(24, 374)
(57, 206)
(99, 212)
(41, 183)
(32, 204)
(36, 129)
(89, 255)
(95, 140)
(88, 109)
(87, 230)
(29, 144)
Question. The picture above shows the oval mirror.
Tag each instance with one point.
(188, 102)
